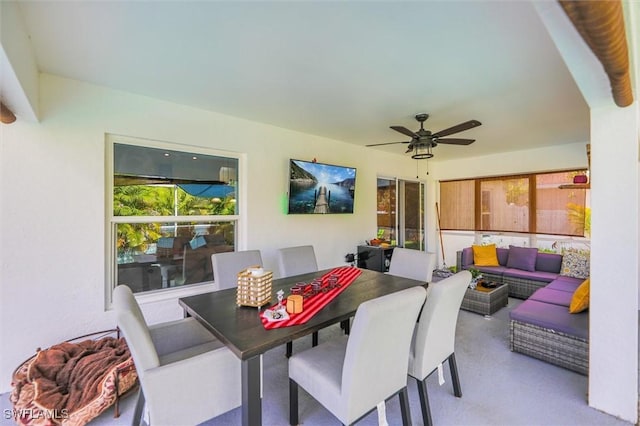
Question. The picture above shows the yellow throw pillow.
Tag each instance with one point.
(485, 255)
(580, 299)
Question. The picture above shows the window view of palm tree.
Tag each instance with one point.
(145, 200)
(171, 211)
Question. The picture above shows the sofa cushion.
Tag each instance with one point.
(503, 256)
(466, 258)
(567, 284)
(522, 258)
(554, 317)
(545, 277)
(485, 255)
(549, 262)
(495, 270)
(556, 297)
(580, 298)
(575, 264)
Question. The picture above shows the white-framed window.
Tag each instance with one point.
(169, 208)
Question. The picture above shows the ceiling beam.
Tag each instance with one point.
(6, 115)
(601, 25)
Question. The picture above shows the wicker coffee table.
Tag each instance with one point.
(486, 301)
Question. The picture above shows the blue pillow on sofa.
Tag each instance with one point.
(522, 258)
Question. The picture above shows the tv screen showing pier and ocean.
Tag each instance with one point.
(317, 188)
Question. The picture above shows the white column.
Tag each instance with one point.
(613, 310)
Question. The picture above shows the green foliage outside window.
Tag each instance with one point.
(579, 215)
(147, 200)
(516, 191)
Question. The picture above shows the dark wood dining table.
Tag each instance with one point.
(241, 329)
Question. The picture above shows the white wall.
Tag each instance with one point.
(52, 222)
(18, 70)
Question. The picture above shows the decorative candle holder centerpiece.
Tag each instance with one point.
(307, 290)
(295, 303)
(254, 287)
(306, 299)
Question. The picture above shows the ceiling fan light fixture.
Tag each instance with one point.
(422, 153)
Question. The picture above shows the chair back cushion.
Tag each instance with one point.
(227, 265)
(414, 264)
(377, 353)
(434, 336)
(297, 260)
(134, 328)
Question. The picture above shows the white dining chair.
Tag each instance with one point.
(178, 355)
(353, 374)
(433, 342)
(296, 261)
(226, 266)
(414, 264)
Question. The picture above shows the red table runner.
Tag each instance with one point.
(311, 305)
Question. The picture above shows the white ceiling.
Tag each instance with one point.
(346, 71)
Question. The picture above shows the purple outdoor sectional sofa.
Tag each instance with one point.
(541, 326)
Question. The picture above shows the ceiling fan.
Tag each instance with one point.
(423, 140)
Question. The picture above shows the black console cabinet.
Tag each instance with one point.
(374, 258)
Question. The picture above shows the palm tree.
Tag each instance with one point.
(139, 200)
(159, 200)
(580, 216)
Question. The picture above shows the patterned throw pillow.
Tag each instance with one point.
(575, 264)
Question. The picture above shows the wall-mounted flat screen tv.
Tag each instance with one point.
(317, 188)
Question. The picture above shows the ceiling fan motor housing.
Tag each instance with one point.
(422, 117)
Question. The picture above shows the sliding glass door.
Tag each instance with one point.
(412, 214)
(400, 212)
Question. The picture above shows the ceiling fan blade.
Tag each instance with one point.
(388, 143)
(458, 128)
(456, 141)
(404, 131)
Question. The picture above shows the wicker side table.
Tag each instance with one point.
(486, 301)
